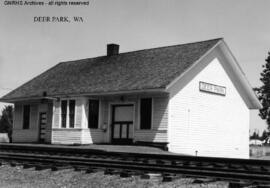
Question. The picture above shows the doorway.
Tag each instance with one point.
(122, 124)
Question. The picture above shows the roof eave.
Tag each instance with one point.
(254, 102)
(54, 97)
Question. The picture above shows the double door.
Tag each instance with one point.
(122, 124)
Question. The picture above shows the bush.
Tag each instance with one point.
(6, 120)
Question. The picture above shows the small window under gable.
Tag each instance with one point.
(146, 113)
(26, 116)
(93, 114)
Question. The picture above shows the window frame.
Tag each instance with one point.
(67, 116)
(98, 114)
(29, 117)
(152, 111)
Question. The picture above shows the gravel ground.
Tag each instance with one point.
(11, 177)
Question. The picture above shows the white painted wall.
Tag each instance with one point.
(68, 135)
(210, 124)
(83, 135)
(25, 135)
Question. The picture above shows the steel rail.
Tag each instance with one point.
(137, 166)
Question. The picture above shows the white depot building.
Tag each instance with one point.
(191, 98)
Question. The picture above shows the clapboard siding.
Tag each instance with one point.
(158, 133)
(209, 124)
(90, 136)
(25, 135)
(160, 113)
(34, 117)
(66, 136)
(151, 136)
(17, 123)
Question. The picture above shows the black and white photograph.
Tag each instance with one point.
(124, 93)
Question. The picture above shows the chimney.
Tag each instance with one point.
(112, 49)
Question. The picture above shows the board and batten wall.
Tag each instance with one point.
(206, 124)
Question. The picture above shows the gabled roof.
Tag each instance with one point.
(132, 71)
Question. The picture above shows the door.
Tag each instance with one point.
(122, 124)
(42, 126)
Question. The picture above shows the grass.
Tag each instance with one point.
(13, 177)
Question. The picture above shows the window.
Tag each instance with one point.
(64, 113)
(71, 113)
(67, 111)
(26, 116)
(146, 113)
(93, 114)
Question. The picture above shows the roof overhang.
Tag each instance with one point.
(252, 99)
(96, 94)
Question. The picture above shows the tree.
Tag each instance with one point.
(254, 135)
(264, 135)
(263, 92)
(6, 120)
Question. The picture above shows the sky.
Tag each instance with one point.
(28, 48)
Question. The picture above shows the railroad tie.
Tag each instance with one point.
(160, 162)
(204, 180)
(145, 161)
(240, 185)
(231, 166)
(14, 163)
(90, 170)
(169, 177)
(109, 171)
(42, 167)
(28, 165)
(80, 168)
(125, 174)
(94, 170)
(151, 176)
(56, 168)
(264, 169)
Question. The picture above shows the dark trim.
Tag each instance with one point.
(40, 123)
(26, 116)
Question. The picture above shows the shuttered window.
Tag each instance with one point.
(71, 113)
(64, 113)
(146, 113)
(93, 114)
(26, 116)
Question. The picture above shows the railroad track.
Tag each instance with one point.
(242, 171)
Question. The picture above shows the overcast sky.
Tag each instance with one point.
(27, 48)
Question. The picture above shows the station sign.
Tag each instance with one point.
(212, 88)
